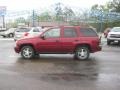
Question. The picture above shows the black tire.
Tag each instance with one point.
(37, 55)
(4, 36)
(118, 42)
(15, 40)
(27, 55)
(11, 35)
(108, 42)
(85, 52)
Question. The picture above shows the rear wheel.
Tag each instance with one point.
(11, 35)
(27, 52)
(82, 53)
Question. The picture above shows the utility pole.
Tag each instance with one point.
(3, 17)
(101, 21)
(33, 18)
(2, 14)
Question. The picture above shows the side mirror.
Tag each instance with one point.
(42, 37)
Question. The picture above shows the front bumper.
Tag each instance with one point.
(17, 50)
(96, 49)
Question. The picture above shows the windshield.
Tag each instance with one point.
(115, 30)
(23, 30)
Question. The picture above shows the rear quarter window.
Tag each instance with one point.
(88, 32)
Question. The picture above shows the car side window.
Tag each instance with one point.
(36, 30)
(88, 32)
(70, 32)
(52, 33)
(23, 30)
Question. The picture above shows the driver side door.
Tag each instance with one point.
(50, 43)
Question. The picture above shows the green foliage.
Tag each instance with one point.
(45, 16)
(58, 9)
(114, 5)
(105, 25)
(103, 8)
(20, 20)
(11, 25)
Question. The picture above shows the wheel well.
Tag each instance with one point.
(26, 45)
(85, 45)
(10, 33)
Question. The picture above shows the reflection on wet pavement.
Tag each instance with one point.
(100, 72)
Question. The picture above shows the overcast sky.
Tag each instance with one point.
(35, 4)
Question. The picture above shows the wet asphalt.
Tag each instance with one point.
(59, 72)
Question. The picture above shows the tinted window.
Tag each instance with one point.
(70, 32)
(23, 30)
(53, 33)
(116, 29)
(36, 30)
(88, 32)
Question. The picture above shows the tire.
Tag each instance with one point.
(108, 42)
(118, 42)
(15, 40)
(82, 50)
(4, 36)
(11, 35)
(27, 52)
(37, 55)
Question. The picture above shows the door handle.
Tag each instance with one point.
(56, 40)
(76, 40)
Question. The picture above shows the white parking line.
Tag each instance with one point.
(6, 39)
(11, 56)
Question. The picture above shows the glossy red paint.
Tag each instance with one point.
(61, 44)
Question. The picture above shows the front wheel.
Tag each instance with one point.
(82, 53)
(108, 42)
(27, 52)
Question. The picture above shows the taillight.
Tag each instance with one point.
(26, 34)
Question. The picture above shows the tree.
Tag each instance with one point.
(114, 5)
(68, 12)
(103, 8)
(59, 11)
(45, 16)
(20, 20)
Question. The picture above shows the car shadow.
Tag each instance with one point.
(63, 69)
(53, 58)
(114, 45)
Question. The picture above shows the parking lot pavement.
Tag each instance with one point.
(6, 39)
(59, 72)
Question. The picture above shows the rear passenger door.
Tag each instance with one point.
(69, 37)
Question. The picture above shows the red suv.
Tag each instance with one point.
(76, 40)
